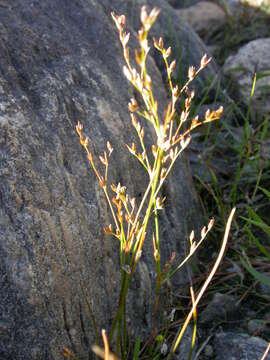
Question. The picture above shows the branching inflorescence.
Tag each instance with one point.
(129, 220)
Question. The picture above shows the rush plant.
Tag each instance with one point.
(129, 219)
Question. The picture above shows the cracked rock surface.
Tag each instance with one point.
(61, 62)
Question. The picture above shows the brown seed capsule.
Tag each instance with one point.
(109, 147)
(191, 73)
(172, 67)
(204, 61)
(168, 52)
(125, 39)
(160, 43)
(132, 105)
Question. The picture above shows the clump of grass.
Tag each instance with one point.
(131, 220)
(242, 147)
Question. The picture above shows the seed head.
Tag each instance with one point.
(191, 73)
(205, 61)
(133, 105)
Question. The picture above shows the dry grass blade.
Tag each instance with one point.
(266, 352)
(205, 285)
(104, 353)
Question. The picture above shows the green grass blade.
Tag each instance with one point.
(266, 192)
(255, 219)
(137, 349)
(260, 247)
(261, 224)
(251, 97)
(256, 274)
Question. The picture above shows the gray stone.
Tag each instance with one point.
(61, 62)
(235, 346)
(257, 327)
(205, 18)
(185, 345)
(250, 59)
(222, 307)
(264, 289)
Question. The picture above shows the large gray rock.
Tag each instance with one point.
(239, 346)
(61, 62)
(205, 17)
(250, 59)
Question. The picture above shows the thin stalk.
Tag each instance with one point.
(204, 287)
(153, 197)
(193, 340)
(111, 208)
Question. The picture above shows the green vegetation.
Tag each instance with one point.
(237, 173)
(130, 221)
(236, 145)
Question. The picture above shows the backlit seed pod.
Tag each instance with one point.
(154, 14)
(132, 149)
(109, 147)
(138, 255)
(114, 188)
(194, 122)
(207, 114)
(187, 103)
(122, 20)
(108, 230)
(148, 82)
(168, 52)
(86, 140)
(191, 236)
(191, 73)
(172, 67)
(103, 160)
(135, 75)
(156, 255)
(155, 42)
(67, 353)
(127, 73)
(184, 142)
(144, 45)
(204, 61)
(132, 105)
(183, 116)
(164, 160)
(160, 43)
(219, 111)
(141, 34)
(138, 57)
(125, 39)
(210, 225)
(163, 173)
(203, 232)
(120, 216)
(154, 150)
(79, 127)
(144, 15)
(175, 91)
(133, 203)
